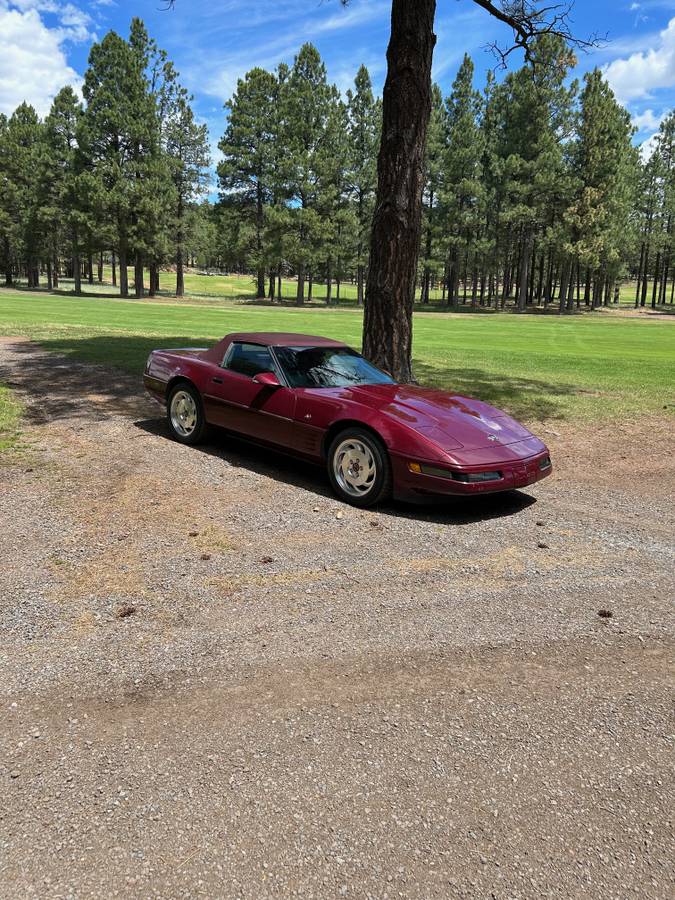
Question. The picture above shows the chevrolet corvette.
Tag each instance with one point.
(322, 401)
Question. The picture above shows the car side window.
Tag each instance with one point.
(248, 359)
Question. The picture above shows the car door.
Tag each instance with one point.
(236, 402)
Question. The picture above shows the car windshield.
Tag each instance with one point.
(326, 367)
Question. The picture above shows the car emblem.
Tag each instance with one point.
(492, 437)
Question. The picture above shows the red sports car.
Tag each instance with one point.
(321, 400)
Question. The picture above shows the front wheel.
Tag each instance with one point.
(185, 414)
(359, 468)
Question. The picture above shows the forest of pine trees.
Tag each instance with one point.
(534, 192)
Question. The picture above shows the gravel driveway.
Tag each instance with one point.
(218, 681)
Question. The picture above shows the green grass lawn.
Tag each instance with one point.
(10, 414)
(537, 367)
(226, 288)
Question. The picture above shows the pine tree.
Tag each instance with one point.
(24, 150)
(605, 165)
(62, 214)
(306, 100)
(365, 114)
(250, 148)
(462, 187)
(186, 144)
(433, 190)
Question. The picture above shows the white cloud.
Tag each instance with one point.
(647, 147)
(33, 66)
(646, 70)
(647, 120)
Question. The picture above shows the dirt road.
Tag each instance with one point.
(218, 681)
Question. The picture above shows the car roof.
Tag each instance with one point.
(283, 339)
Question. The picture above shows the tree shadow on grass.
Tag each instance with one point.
(531, 399)
(306, 476)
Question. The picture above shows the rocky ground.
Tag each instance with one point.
(218, 681)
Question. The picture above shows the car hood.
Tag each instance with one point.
(451, 421)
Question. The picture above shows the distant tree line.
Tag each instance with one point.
(119, 175)
(534, 193)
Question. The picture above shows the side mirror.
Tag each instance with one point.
(266, 379)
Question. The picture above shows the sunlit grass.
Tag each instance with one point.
(538, 367)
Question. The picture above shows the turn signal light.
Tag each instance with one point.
(415, 467)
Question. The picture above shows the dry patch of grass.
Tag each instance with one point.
(11, 410)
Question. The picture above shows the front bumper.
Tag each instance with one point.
(515, 473)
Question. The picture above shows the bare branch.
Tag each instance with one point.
(529, 21)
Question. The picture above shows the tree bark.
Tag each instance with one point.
(271, 288)
(396, 231)
(180, 270)
(524, 271)
(639, 275)
(154, 279)
(564, 279)
(657, 270)
(124, 271)
(114, 269)
(329, 281)
(77, 273)
(138, 276)
(643, 295)
(300, 293)
(359, 285)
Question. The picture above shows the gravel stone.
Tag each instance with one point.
(429, 708)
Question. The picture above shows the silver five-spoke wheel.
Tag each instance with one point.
(183, 413)
(354, 467)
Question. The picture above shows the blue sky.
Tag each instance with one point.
(44, 44)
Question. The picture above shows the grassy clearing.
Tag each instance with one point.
(227, 288)
(539, 368)
(10, 415)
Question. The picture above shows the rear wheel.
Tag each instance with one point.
(185, 414)
(359, 467)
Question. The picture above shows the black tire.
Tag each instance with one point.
(377, 488)
(191, 432)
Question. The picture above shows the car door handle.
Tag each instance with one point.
(218, 380)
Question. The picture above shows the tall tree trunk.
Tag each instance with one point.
(114, 269)
(124, 270)
(639, 275)
(279, 294)
(643, 295)
(272, 282)
(564, 280)
(329, 281)
(7, 253)
(573, 283)
(395, 236)
(77, 273)
(310, 286)
(360, 271)
(138, 276)
(153, 279)
(180, 270)
(526, 251)
(90, 267)
(300, 293)
(100, 268)
(55, 273)
(657, 270)
(260, 283)
(50, 280)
